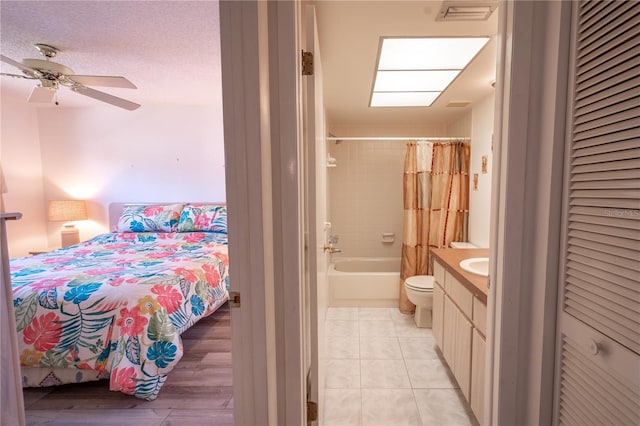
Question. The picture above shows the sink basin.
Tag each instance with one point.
(476, 265)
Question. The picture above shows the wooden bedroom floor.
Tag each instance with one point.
(197, 392)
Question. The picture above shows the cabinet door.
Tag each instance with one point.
(459, 294)
(438, 315)
(449, 332)
(462, 353)
(478, 353)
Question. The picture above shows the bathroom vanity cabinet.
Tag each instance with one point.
(459, 321)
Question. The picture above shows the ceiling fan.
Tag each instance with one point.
(52, 75)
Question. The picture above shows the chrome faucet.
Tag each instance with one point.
(331, 249)
(331, 240)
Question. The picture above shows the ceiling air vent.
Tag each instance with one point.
(458, 104)
(466, 11)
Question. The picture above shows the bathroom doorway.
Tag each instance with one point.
(366, 149)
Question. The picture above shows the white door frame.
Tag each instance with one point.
(261, 128)
(244, 129)
(288, 209)
(530, 113)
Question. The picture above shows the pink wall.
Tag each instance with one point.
(104, 155)
(22, 167)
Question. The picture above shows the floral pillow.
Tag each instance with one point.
(203, 218)
(142, 218)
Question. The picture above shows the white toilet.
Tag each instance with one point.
(458, 244)
(419, 290)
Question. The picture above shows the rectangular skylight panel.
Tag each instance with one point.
(403, 99)
(429, 53)
(413, 81)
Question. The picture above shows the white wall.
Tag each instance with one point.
(477, 123)
(22, 166)
(462, 126)
(480, 199)
(154, 154)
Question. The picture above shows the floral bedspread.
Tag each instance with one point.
(116, 305)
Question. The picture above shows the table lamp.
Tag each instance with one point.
(67, 211)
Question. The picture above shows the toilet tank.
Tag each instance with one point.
(458, 244)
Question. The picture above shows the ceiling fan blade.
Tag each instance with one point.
(105, 97)
(41, 94)
(18, 76)
(103, 81)
(17, 64)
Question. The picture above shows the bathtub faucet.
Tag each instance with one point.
(331, 249)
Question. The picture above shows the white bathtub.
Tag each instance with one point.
(364, 282)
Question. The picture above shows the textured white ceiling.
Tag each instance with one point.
(169, 49)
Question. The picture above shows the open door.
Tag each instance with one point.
(11, 399)
(317, 226)
(262, 106)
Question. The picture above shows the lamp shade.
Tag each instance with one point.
(67, 210)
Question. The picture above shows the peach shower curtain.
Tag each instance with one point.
(436, 205)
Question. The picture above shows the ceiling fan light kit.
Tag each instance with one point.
(52, 75)
(46, 50)
(41, 94)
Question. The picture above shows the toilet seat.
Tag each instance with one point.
(420, 283)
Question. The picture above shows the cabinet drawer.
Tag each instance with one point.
(480, 316)
(459, 294)
(438, 273)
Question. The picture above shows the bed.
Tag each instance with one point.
(115, 306)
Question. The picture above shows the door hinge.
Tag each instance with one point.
(307, 63)
(234, 299)
(312, 411)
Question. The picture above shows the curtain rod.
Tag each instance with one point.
(364, 138)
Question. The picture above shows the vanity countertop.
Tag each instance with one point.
(451, 258)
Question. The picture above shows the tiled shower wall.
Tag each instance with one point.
(365, 196)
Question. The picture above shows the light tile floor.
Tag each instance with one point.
(382, 370)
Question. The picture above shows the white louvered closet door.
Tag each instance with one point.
(598, 358)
